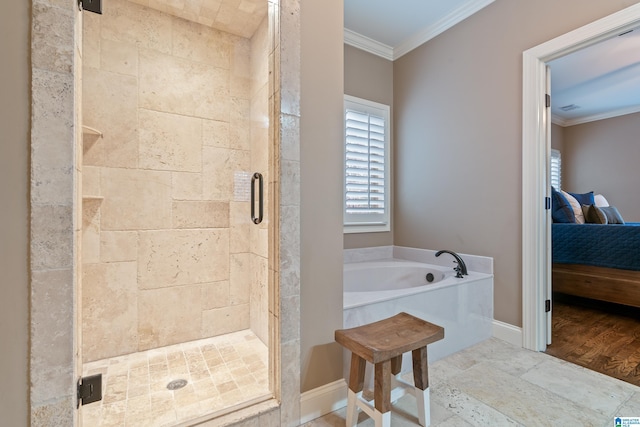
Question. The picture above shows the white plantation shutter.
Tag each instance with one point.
(556, 170)
(366, 189)
(365, 172)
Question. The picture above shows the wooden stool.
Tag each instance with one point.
(383, 343)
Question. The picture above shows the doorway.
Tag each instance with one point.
(536, 233)
(174, 271)
(55, 201)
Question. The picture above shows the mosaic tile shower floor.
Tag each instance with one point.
(221, 372)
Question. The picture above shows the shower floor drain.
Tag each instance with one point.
(176, 384)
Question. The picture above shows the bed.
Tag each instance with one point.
(597, 261)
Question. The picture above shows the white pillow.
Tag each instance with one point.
(601, 202)
(575, 206)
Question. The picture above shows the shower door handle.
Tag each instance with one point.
(257, 177)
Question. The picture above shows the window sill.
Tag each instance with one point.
(366, 228)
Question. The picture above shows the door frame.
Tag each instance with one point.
(536, 224)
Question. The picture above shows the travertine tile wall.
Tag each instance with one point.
(55, 53)
(169, 252)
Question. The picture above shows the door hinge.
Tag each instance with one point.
(547, 100)
(547, 203)
(89, 389)
(547, 306)
(94, 6)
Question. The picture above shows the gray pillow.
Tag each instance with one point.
(613, 216)
(594, 215)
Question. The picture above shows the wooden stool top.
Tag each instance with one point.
(388, 338)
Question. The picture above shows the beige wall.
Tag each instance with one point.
(458, 115)
(602, 156)
(369, 77)
(14, 184)
(321, 188)
(557, 137)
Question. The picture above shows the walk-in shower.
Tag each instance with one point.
(175, 227)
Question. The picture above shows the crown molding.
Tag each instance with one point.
(448, 21)
(594, 117)
(387, 52)
(557, 120)
(368, 45)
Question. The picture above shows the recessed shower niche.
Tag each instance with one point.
(175, 272)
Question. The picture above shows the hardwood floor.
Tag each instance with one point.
(599, 336)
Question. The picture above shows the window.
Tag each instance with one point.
(556, 169)
(366, 166)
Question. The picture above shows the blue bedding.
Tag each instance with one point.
(600, 245)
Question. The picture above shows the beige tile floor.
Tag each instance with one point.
(221, 372)
(497, 384)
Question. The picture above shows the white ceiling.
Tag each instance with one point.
(602, 80)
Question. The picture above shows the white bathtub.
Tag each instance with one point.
(374, 290)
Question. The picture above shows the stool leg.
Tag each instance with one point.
(424, 408)
(356, 383)
(396, 365)
(421, 383)
(382, 419)
(382, 393)
(352, 409)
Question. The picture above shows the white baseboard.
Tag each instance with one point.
(323, 400)
(507, 332)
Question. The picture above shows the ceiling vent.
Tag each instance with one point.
(570, 107)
